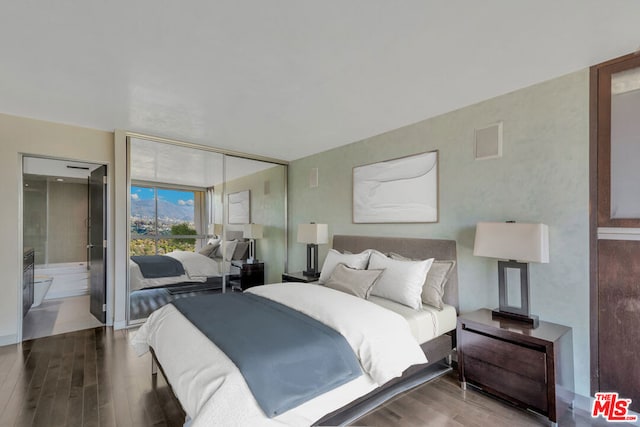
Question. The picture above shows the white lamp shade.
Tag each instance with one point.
(513, 241)
(252, 231)
(313, 233)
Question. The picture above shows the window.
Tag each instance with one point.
(165, 219)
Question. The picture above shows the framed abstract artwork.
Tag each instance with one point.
(239, 207)
(403, 190)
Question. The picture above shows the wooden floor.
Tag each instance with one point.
(93, 378)
(84, 378)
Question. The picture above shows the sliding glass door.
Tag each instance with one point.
(202, 208)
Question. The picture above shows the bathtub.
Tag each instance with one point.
(70, 279)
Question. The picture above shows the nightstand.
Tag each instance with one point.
(298, 276)
(531, 368)
(250, 275)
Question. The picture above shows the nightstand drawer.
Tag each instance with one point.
(505, 383)
(506, 355)
(530, 367)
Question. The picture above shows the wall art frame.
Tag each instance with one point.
(400, 190)
(239, 207)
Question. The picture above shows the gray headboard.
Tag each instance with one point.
(410, 248)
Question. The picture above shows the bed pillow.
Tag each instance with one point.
(241, 251)
(358, 261)
(437, 278)
(228, 247)
(401, 281)
(209, 249)
(353, 281)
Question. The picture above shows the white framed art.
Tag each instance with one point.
(403, 190)
(239, 207)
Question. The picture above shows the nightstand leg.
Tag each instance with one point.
(463, 385)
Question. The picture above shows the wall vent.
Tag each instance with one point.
(488, 142)
(313, 178)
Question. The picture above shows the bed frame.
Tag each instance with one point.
(438, 350)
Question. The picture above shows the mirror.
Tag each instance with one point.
(186, 239)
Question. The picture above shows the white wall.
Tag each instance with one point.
(542, 177)
(33, 137)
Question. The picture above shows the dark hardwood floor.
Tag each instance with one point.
(85, 378)
(94, 378)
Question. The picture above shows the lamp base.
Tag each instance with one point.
(531, 321)
(314, 274)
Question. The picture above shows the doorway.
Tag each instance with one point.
(615, 228)
(64, 212)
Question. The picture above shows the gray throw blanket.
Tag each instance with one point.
(154, 266)
(286, 357)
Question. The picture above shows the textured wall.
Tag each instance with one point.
(267, 208)
(541, 177)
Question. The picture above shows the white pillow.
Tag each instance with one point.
(226, 250)
(358, 261)
(401, 281)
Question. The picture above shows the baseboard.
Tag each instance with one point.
(122, 324)
(582, 402)
(8, 340)
(66, 293)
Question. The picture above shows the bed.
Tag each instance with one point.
(396, 351)
(194, 266)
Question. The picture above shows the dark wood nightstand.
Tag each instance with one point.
(532, 368)
(250, 275)
(298, 276)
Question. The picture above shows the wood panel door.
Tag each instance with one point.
(615, 227)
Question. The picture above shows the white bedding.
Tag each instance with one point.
(212, 390)
(425, 324)
(197, 268)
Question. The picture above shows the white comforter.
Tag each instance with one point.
(212, 390)
(197, 268)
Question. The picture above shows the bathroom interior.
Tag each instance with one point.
(55, 228)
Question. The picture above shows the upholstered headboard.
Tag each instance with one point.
(410, 248)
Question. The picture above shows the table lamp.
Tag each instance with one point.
(313, 235)
(252, 232)
(518, 244)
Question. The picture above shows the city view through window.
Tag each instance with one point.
(161, 220)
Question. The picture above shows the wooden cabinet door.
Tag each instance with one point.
(615, 228)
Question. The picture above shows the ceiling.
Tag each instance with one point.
(52, 168)
(156, 162)
(289, 78)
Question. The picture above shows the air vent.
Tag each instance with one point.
(78, 167)
(488, 144)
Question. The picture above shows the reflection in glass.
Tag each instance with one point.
(179, 203)
(625, 144)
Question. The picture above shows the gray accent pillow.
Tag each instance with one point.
(209, 249)
(229, 247)
(242, 250)
(353, 281)
(437, 277)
